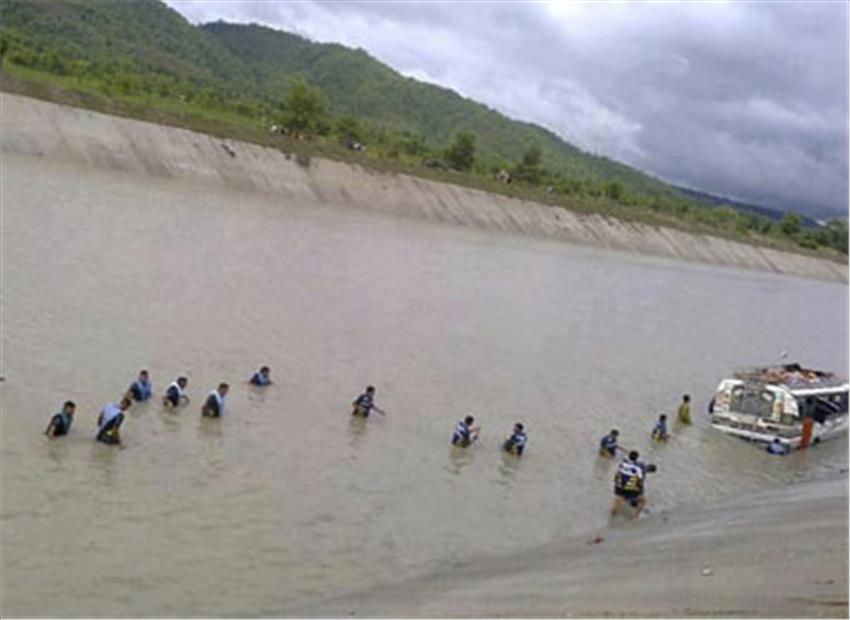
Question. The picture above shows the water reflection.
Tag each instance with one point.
(508, 468)
(257, 394)
(170, 419)
(358, 426)
(459, 458)
(211, 428)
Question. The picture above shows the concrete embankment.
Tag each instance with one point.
(38, 128)
(779, 553)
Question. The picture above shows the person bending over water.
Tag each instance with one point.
(262, 377)
(365, 403)
(214, 405)
(608, 445)
(777, 447)
(141, 389)
(174, 396)
(659, 431)
(109, 421)
(515, 444)
(60, 423)
(629, 484)
(465, 433)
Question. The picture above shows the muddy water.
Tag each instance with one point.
(286, 499)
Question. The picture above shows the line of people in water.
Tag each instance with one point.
(465, 432)
(629, 479)
(112, 416)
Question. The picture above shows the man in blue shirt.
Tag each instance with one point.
(262, 377)
(515, 444)
(60, 423)
(659, 431)
(109, 421)
(465, 433)
(364, 404)
(141, 389)
(777, 447)
(214, 406)
(608, 444)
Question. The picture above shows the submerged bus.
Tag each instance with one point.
(799, 406)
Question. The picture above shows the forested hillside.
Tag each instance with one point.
(141, 58)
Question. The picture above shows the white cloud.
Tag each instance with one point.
(743, 99)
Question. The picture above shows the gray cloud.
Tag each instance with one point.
(747, 100)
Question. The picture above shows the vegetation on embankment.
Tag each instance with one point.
(141, 59)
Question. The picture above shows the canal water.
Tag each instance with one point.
(287, 499)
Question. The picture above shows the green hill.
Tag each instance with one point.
(141, 58)
(357, 84)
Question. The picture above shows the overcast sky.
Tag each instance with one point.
(747, 100)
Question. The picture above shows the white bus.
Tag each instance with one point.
(799, 406)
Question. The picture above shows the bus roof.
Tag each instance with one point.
(792, 376)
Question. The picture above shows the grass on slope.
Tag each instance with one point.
(150, 107)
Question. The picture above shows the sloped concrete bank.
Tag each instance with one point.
(42, 129)
(780, 553)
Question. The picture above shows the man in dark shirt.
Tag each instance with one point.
(214, 406)
(60, 423)
(364, 404)
(262, 377)
(608, 445)
(141, 389)
(174, 396)
(515, 444)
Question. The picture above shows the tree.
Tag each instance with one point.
(303, 105)
(528, 170)
(4, 47)
(461, 154)
(348, 129)
(790, 224)
(614, 190)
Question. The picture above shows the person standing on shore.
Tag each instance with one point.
(141, 389)
(684, 413)
(60, 423)
(174, 396)
(214, 405)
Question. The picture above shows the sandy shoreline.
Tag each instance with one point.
(37, 128)
(780, 553)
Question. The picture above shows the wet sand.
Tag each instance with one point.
(781, 553)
